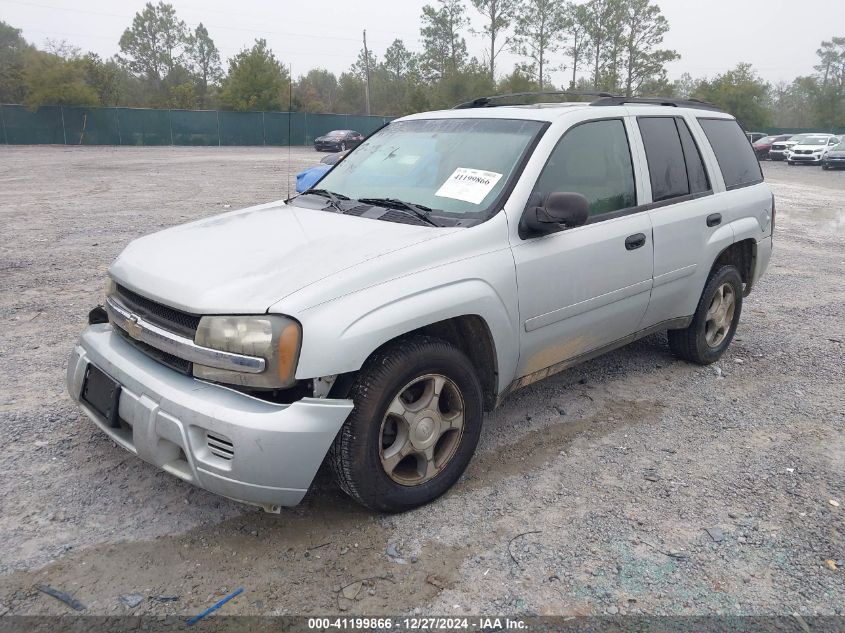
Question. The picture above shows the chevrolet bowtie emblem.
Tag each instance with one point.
(133, 327)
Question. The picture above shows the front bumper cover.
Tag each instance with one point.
(176, 422)
(805, 158)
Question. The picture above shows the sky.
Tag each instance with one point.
(778, 37)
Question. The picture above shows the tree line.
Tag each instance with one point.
(599, 45)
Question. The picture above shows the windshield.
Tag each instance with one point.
(457, 167)
(814, 140)
(797, 137)
(767, 140)
(337, 133)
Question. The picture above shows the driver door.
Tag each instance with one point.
(587, 287)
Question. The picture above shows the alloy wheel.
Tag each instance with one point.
(720, 315)
(422, 429)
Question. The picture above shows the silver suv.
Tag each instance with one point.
(450, 259)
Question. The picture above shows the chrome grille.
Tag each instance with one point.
(164, 316)
(174, 362)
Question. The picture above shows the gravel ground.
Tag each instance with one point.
(635, 483)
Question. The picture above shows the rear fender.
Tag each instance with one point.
(753, 228)
(719, 240)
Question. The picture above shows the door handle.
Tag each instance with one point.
(714, 219)
(633, 242)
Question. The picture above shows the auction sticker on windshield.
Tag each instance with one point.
(469, 185)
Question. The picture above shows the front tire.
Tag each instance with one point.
(414, 427)
(715, 320)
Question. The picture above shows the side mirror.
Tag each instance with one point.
(558, 211)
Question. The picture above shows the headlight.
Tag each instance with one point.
(276, 339)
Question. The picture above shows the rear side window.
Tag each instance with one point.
(592, 159)
(665, 156)
(736, 158)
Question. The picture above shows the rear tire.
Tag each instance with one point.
(715, 320)
(414, 427)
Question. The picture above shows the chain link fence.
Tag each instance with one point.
(66, 125)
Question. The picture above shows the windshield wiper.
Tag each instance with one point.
(333, 198)
(419, 210)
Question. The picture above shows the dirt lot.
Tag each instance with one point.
(591, 492)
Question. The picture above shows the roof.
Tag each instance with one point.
(497, 106)
(551, 112)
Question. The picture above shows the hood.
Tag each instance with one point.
(245, 261)
(839, 153)
(814, 148)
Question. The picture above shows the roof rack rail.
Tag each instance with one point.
(488, 102)
(677, 103)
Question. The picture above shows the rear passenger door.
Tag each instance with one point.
(585, 287)
(682, 215)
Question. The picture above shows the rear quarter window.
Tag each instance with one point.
(737, 161)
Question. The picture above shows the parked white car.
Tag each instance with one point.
(811, 149)
(451, 259)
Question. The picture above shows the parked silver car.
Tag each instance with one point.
(452, 258)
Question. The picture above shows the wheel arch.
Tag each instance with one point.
(468, 333)
(743, 255)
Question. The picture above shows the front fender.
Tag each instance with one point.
(339, 335)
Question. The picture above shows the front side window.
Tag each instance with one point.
(455, 167)
(592, 159)
(736, 158)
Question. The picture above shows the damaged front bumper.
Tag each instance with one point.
(217, 438)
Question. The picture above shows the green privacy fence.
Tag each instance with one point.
(66, 125)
